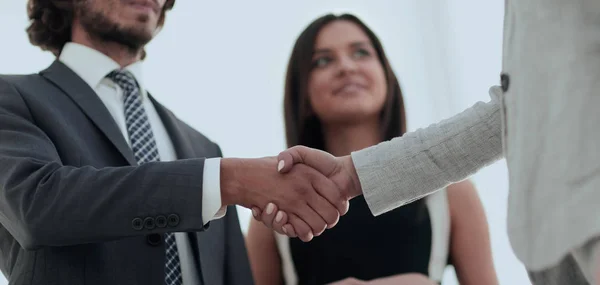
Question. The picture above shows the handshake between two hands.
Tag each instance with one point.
(300, 193)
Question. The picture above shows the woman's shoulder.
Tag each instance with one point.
(462, 194)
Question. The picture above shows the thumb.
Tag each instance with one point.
(285, 161)
(319, 160)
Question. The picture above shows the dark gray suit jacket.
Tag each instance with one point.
(74, 208)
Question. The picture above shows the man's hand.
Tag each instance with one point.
(310, 200)
(339, 169)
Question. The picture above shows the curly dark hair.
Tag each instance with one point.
(51, 21)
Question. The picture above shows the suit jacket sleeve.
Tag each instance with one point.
(407, 168)
(46, 203)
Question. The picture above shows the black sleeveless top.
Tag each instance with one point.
(366, 247)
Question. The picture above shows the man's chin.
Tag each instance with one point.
(132, 36)
(142, 32)
(133, 41)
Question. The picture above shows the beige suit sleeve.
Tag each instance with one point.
(397, 172)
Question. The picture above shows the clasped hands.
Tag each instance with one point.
(300, 193)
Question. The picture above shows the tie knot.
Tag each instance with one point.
(124, 79)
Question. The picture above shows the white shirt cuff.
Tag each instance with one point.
(212, 207)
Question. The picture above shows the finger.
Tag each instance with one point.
(289, 230)
(268, 215)
(332, 193)
(303, 230)
(281, 219)
(311, 217)
(279, 222)
(256, 213)
(285, 162)
(326, 210)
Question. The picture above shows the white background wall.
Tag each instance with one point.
(220, 67)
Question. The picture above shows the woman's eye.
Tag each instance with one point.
(361, 53)
(320, 62)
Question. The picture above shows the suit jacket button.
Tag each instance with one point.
(160, 221)
(149, 223)
(137, 224)
(504, 81)
(154, 239)
(173, 220)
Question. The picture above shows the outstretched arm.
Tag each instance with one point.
(407, 168)
(44, 202)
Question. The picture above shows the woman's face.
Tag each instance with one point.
(347, 83)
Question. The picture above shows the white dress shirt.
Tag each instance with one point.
(93, 66)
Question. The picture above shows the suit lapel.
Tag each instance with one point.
(181, 142)
(89, 102)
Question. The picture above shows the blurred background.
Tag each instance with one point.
(220, 67)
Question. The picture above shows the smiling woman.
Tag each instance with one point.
(359, 96)
(342, 46)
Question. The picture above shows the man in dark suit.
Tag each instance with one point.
(100, 184)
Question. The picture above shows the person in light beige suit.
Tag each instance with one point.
(544, 118)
